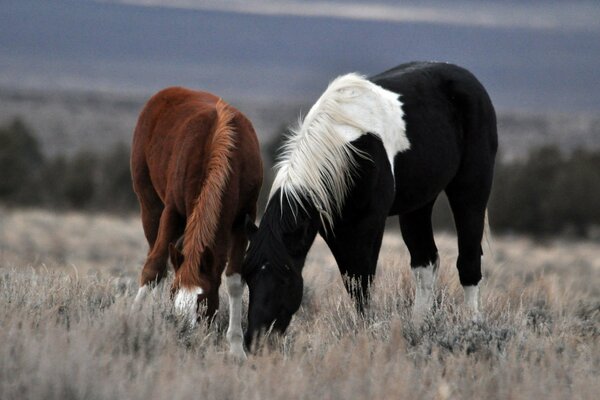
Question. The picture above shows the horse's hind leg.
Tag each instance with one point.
(150, 203)
(151, 207)
(169, 229)
(469, 210)
(468, 195)
(417, 233)
(151, 210)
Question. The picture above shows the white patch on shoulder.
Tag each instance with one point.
(318, 158)
(364, 107)
(472, 298)
(379, 112)
(425, 281)
(186, 303)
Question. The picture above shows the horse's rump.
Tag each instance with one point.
(186, 147)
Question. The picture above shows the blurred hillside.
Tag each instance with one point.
(69, 121)
(554, 189)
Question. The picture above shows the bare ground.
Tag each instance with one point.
(67, 331)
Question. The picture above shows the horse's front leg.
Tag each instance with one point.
(235, 290)
(356, 250)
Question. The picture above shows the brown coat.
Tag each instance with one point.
(196, 169)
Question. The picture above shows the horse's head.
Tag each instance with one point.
(275, 295)
(273, 271)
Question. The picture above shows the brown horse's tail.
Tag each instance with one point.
(203, 222)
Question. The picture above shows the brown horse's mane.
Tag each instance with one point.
(203, 222)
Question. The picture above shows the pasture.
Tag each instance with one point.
(67, 283)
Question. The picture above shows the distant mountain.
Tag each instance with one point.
(132, 49)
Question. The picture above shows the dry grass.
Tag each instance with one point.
(67, 283)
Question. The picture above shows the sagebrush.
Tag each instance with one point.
(68, 331)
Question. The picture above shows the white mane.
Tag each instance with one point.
(318, 159)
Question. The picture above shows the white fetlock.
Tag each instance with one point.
(425, 281)
(141, 294)
(472, 301)
(237, 351)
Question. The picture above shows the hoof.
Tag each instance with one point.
(477, 317)
(425, 280)
(237, 353)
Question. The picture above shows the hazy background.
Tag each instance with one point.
(77, 72)
(531, 55)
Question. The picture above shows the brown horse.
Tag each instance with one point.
(197, 172)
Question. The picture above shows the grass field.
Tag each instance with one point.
(66, 330)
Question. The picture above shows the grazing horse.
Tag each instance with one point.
(367, 149)
(197, 172)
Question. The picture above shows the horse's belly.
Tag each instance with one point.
(418, 181)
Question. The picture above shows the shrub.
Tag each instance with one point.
(86, 181)
(80, 180)
(549, 193)
(20, 164)
(115, 189)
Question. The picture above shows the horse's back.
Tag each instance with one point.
(451, 127)
(160, 132)
(169, 112)
(442, 91)
(173, 140)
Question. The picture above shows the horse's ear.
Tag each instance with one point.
(175, 256)
(251, 227)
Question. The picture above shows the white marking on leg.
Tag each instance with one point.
(186, 303)
(425, 280)
(235, 335)
(472, 298)
(141, 294)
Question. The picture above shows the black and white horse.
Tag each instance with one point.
(367, 149)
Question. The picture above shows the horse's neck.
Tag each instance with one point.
(285, 217)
